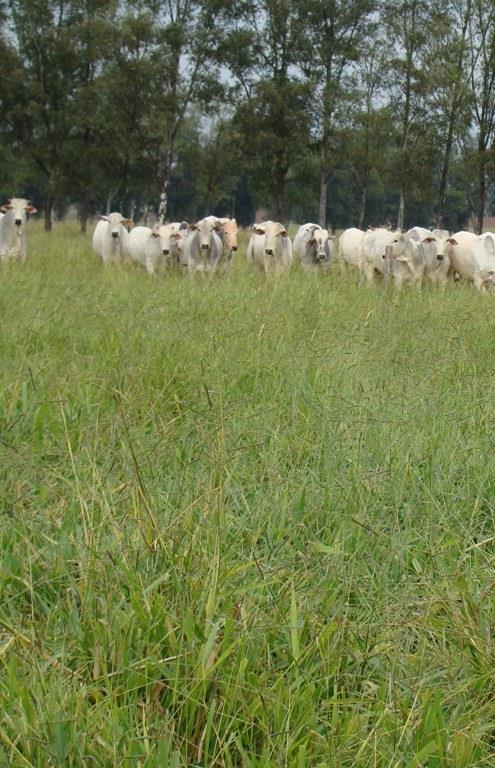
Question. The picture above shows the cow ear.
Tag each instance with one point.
(452, 241)
(184, 225)
(259, 231)
(104, 218)
(429, 240)
(312, 241)
(177, 236)
(155, 233)
(283, 233)
(6, 207)
(192, 226)
(331, 237)
(31, 209)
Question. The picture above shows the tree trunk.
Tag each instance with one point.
(280, 202)
(481, 198)
(442, 192)
(402, 207)
(364, 200)
(83, 216)
(48, 208)
(164, 168)
(322, 208)
(453, 113)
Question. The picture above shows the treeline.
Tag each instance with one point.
(341, 111)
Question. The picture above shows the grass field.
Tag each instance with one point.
(243, 523)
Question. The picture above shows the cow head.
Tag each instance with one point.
(169, 236)
(401, 248)
(117, 225)
(18, 208)
(229, 231)
(434, 252)
(205, 229)
(322, 242)
(274, 234)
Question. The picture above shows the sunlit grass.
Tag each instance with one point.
(245, 522)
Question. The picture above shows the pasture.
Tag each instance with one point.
(243, 523)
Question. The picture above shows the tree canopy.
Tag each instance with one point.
(346, 113)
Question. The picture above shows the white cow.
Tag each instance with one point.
(313, 246)
(418, 254)
(143, 248)
(13, 244)
(228, 231)
(350, 247)
(473, 258)
(375, 243)
(436, 258)
(159, 248)
(111, 238)
(270, 247)
(203, 249)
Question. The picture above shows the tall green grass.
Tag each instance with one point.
(243, 523)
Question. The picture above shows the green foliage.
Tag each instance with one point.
(302, 107)
(244, 522)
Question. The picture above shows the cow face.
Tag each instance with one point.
(204, 230)
(435, 253)
(117, 225)
(274, 234)
(18, 208)
(323, 244)
(169, 238)
(229, 231)
(401, 251)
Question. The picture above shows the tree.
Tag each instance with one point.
(446, 61)
(44, 79)
(371, 122)
(482, 77)
(335, 32)
(407, 24)
(272, 121)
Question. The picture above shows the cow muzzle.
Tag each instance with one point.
(234, 248)
(115, 235)
(321, 257)
(205, 246)
(269, 251)
(18, 222)
(165, 251)
(440, 256)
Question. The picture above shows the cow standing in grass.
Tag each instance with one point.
(270, 248)
(473, 258)
(159, 248)
(374, 252)
(203, 249)
(111, 238)
(351, 248)
(228, 230)
(313, 247)
(13, 240)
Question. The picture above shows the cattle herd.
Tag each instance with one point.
(207, 246)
